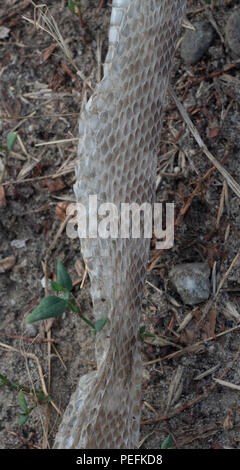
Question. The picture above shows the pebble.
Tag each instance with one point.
(196, 43)
(191, 280)
(31, 330)
(233, 32)
(19, 243)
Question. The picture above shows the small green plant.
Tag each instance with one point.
(74, 7)
(24, 408)
(6, 149)
(142, 333)
(167, 443)
(39, 398)
(52, 306)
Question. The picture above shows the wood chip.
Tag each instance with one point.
(7, 263)
(2, 196)
(224, 383)
(54, 185)
(48, 52)
(79, 266)
(227, 424)
(150, 407)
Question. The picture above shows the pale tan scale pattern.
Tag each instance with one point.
(119, 140)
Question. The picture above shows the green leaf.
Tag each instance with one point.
(148, 335)
(167, 443)
(4, 380)
(49, 307)
(143, 334)
(22, 420)
(71, 6)
(63, 277)
(22, 402)
(142, 329)
(56, 286)
(74, 7)
(99, 324)
(11, 139)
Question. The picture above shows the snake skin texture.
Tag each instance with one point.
(119, 141)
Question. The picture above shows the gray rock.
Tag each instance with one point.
(196, 43)
(233, 32)
(31, 330)
(191, 281)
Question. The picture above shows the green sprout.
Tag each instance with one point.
(167, 443)
(53, 306)
(39, 397)
(74, 7)
(142, 333)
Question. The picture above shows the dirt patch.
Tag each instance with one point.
(180, 394)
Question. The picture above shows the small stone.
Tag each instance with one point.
(233, 32)
(31, 330)
(19, 243)
(191, 281)
(4, 32)
(196, 43)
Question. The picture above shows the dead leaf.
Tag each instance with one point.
(208, 327)
(7, 263)
(54, 185)
(61, 209)
(2, 196)
(198, 330)
(55, 81)
(175, 387)
(68, 71)
(48, 51)
(212, 133)
(188, 336)
(79, 267)
(227, 424)
(27, 167)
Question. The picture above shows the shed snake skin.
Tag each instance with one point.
(119, 142)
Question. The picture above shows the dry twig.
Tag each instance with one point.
(230, 180)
